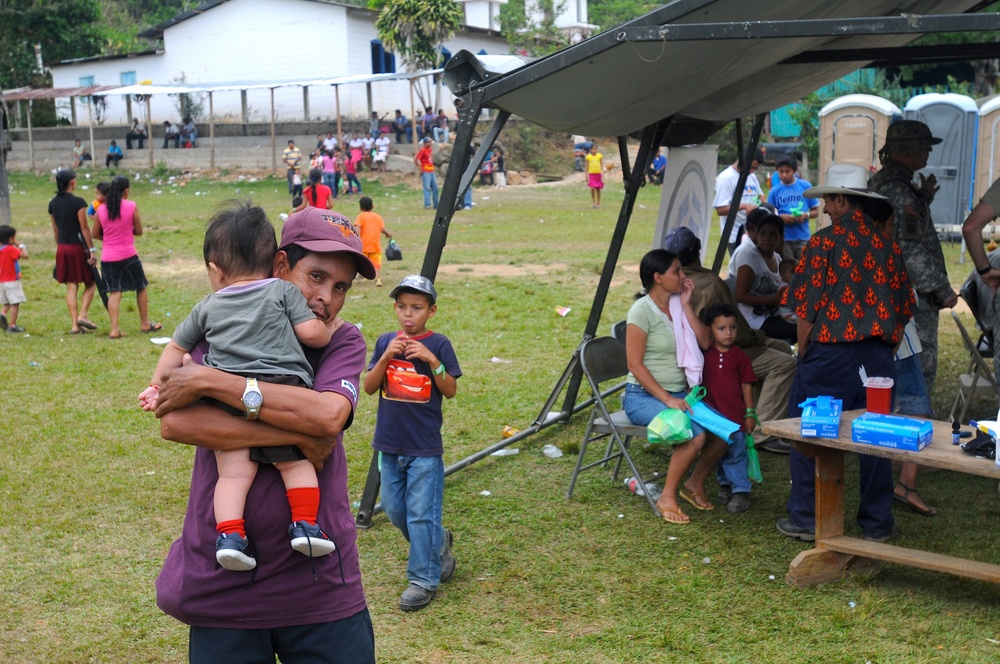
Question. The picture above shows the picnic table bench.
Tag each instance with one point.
(835, 555)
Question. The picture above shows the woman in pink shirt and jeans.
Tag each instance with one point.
(117, 224)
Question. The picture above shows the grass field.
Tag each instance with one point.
(92, 497)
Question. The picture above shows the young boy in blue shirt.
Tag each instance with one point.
(414, 367)
(795, 210)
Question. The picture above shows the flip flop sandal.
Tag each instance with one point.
(697, 500)
(84, 323)
(82, 330)
(153, 327)
(905, 499)
(679, 517)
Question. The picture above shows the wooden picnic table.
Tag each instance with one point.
(836, 556)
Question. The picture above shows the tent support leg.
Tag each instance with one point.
(734, 205)
(652, 137)
(455, 182)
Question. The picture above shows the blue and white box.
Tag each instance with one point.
(895, 431)
(821, 417)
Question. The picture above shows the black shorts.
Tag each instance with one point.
(276, 453)
(123, 275)
(349, 640)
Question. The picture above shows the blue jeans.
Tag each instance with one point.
(832, 370)
(911, 390)
(440, 134)
(330, 180)
(732, 469)
(412, 497)
(430, 187)
(467, 198)
(641, 407)
(352, 180)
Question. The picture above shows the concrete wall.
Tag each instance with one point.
(257, 41)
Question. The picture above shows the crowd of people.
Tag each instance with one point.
(802, 313)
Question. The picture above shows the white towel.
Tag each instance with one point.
(689, 355)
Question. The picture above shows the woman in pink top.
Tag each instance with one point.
(116, 224)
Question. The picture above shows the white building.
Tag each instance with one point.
(222, 42)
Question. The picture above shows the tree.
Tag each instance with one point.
(527, 37)
(415, 30)
(985, 72)
(64, 28)
(609, 13)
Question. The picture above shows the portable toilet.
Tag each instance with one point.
(852, 129)
(953, 118)
(988, 147)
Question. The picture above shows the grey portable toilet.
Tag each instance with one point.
(988, 147)
(852, 129)
(955, 119)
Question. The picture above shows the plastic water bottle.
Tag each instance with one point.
(956, 431)
(638, 488)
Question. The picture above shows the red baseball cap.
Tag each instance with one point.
(325, 231)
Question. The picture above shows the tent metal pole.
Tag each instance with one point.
(274, 144)
(623, 158)
(454, 180)
(340, 129)
(31, 139)
(650, 140)
(652, 136)
(90, 128)
(211, 131)
(734, 205)
(149, 127)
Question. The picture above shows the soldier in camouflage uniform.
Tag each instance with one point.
(907, 147)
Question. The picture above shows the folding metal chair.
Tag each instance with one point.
(602, 360)
(618, 330)
(970, 293)
(978, 379)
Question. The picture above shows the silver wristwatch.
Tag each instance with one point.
(252, 399)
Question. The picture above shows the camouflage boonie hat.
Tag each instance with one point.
(909, 135)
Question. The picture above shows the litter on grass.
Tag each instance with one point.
(484, 492)
(160, 341)
(498, 360)
(562, 311)
(507, 451)
(552, 452)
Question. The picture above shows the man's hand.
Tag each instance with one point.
(992, 279)
(179, 386)
(950, 301)
(929, 186)
(317, 450)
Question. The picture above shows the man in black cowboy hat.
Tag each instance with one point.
(907, 147)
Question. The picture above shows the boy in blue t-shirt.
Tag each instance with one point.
(414, 368)
(793, 208)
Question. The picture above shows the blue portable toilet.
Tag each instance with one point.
(955, 119)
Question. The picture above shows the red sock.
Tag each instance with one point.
(304, 503)
(236, 526)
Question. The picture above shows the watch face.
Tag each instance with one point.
(252, 399)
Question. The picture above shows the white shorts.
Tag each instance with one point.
(11, 292)
(380, 156)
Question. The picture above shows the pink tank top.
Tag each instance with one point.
(119, 240)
